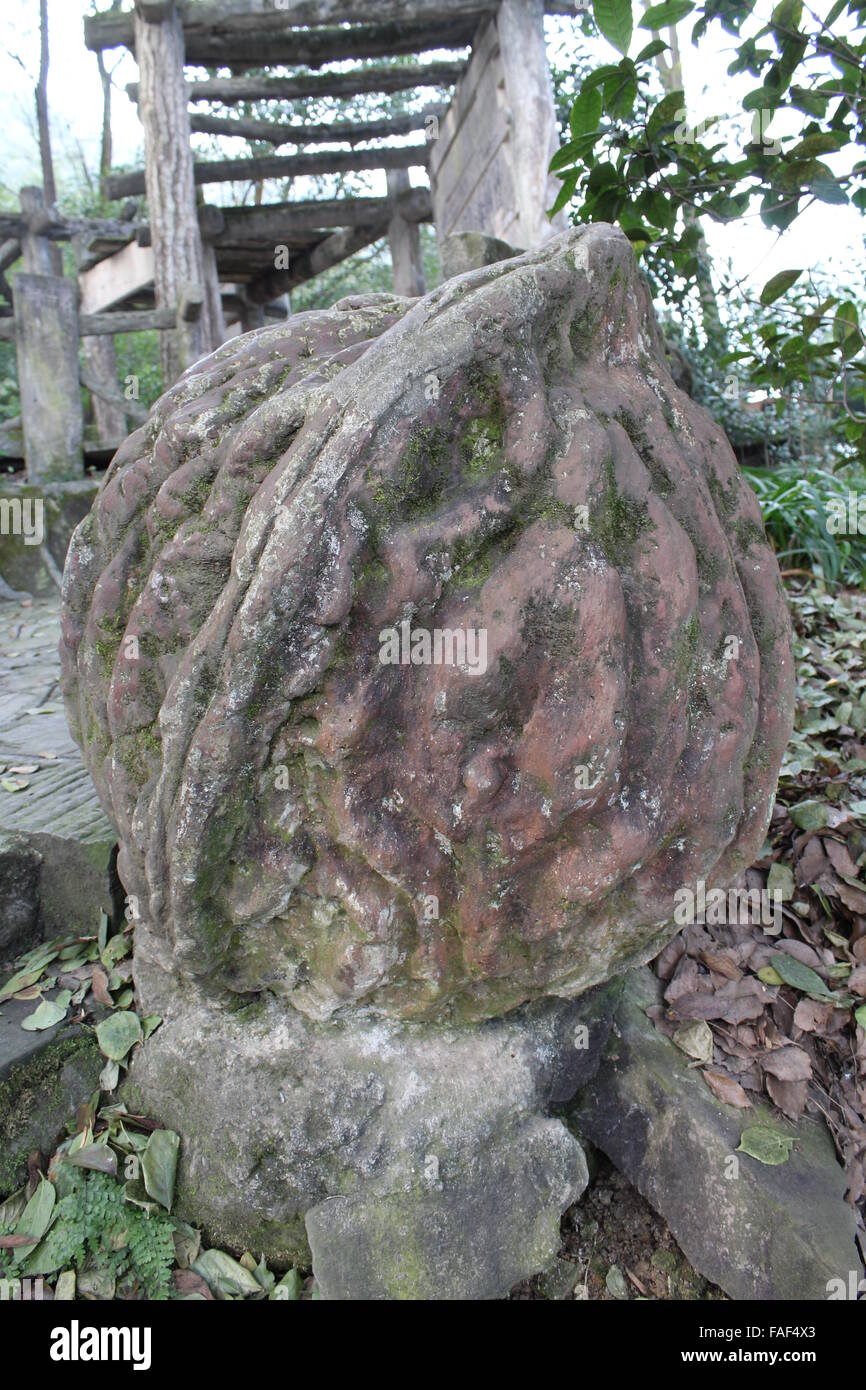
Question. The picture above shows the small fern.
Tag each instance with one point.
(96, 1223)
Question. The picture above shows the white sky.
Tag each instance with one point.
(829, 238)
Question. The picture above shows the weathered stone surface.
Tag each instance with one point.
(55, 820)
(25, 563)
(759, 1232)
(419, 1161)
(20, 866)
(507, 455)
(43, 1078)
(470, 251)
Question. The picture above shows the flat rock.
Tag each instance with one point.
(57, 847)
(20, 871)
(30, 567)
(758, 1231)
(44, 1076)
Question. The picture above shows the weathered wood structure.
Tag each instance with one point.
(481, 138)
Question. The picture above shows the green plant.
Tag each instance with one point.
(633, 158)
(797, 506)
(98, 1227)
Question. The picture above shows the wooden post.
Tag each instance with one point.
(404, 239)
(101, 364)
(213, 303)
(490, 156)
(177, 243)
(35, 249)
(252, 316)
(529, 95)
(46, 336)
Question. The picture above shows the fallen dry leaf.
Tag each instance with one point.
(789, 1096)
(726, 1089)
(812, 1016)
(186, 1282)
(857, 980)
(839, 857)
(787, 1064)
(99, 985)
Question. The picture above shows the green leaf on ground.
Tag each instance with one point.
(765, 1144)
(159, 1165)
(288, 1290)
(49, 1013)
(793, 972)
(225, 1276)
(117, 1034)
(780, 880)
(36, 1217)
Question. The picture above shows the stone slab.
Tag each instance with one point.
(758, 1231)
(43, 1078)
(24, 565)
(56, 819)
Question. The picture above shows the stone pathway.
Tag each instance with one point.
(53, 810)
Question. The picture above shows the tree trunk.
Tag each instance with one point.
(177, 244)
(672, 80)
(105, 151)
(49, 186)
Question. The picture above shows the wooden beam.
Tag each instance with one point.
(243, 17)
(282, 167)
(311, 48)
(271, 223)
(10, 251)
(116, 278)
(40, 257)
(57, 228)
(327, 133)
(127, 321)
(323, 256)
(398, 77)
(97, 386)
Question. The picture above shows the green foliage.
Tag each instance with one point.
(97, 1228)
(632, 158)
(797, 506)
(786, 349)
(10, 401)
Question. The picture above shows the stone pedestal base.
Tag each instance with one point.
(409, 1161)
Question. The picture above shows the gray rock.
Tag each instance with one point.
(35, 569)
(495, 1224)
(20, 866)
(759, 1232)
(470, 251)
(43, 1078)
(421, 1161)
(57, 848)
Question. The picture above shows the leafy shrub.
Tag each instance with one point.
(796, 504)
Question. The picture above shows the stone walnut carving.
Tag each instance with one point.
(507, 455)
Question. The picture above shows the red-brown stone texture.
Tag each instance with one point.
(508, 455)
